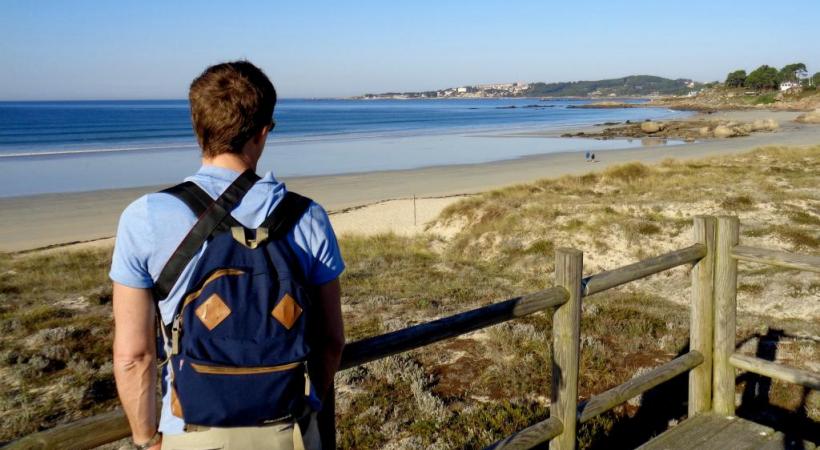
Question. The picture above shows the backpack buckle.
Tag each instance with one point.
(240, 235)
(175, 335)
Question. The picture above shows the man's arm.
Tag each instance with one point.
(135, 359)
(329, 338)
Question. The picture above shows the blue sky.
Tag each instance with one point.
(152, 49)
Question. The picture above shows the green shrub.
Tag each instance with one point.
(764, 77)
(766, 99)
(736, 79)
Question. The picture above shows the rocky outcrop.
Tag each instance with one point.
(734, 129)
(810, 117)
(765, 125)
(607, 105)
(723, 131)
(651, 127)
(686, 130)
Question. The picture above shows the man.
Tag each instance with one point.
(231, 109)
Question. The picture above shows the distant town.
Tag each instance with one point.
(475, 91)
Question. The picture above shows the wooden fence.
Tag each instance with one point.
(711, 360)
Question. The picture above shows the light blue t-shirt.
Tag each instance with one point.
(152, 227)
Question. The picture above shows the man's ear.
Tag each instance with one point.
(259, 138)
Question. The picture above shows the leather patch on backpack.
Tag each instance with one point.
(213, 311)
(287, 311)
(176, 407)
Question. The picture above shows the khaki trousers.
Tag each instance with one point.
(284, 436)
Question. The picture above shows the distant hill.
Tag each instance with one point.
(634, 85)
(631, 86)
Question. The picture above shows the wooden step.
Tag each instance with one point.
(716, 432)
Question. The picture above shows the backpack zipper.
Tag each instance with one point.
(212, 277)
(232, 370)
(177, 323)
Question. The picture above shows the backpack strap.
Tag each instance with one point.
(285, 215)
(208, 221)
(192, 195)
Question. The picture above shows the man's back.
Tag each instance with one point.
(232, 106)
(152, 227)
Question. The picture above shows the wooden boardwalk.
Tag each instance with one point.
(715, 432)
(712, 361)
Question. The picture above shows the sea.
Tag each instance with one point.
(71, 146)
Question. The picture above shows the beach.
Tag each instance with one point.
(378, 201)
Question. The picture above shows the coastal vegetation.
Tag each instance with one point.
(635, 85)
(467, 392)
(788, 88)
(722, 98)
(764, 77)
(767, 77)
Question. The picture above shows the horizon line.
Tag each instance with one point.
(342, 97)
(157, 99)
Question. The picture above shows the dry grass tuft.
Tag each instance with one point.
(738, 203)
(627, 173)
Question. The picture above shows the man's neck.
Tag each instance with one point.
(237, 162)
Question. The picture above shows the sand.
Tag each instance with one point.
(377, 201)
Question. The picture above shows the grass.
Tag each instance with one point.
(56, 333)
(470, 391)
(750, 288)
(799, 238)
(766, 99)
(502, 246)
(627, 173)
(804, 218)
(738, 203)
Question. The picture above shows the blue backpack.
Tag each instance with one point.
(238, 344)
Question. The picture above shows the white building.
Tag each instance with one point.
(788, 85)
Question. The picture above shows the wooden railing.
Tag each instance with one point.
(714, 256)
(726, 358)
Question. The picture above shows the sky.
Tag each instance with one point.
(77, 50)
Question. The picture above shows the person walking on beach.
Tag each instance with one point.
(586, 156)
(244, 277)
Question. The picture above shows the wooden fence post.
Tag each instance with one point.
(701, 328)
(566, 330)
(723, 398)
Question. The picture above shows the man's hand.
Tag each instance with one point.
(135, 359)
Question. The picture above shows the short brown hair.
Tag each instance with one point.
(230, 102)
